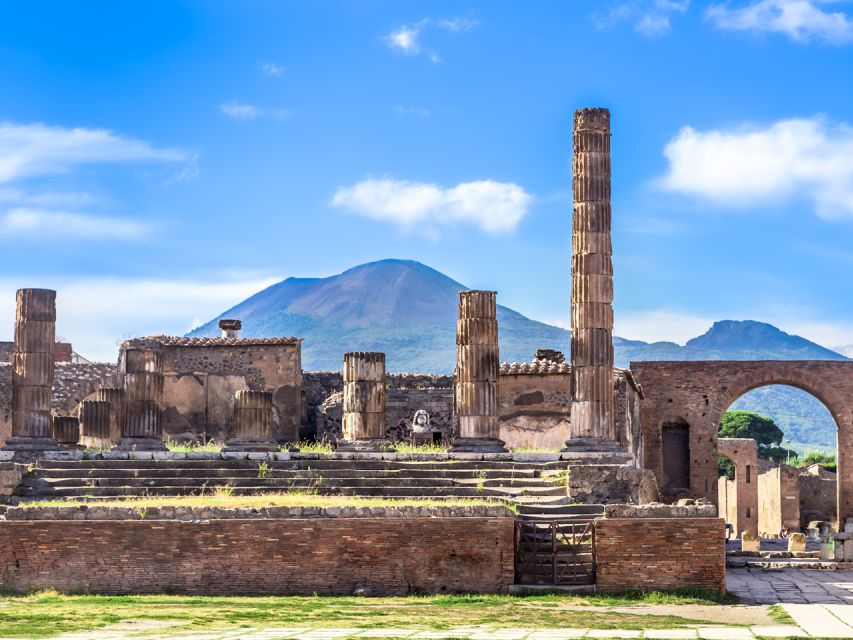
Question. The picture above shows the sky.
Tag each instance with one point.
(161, 161)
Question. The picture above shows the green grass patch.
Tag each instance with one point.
(190, 447)
(48, 613)
(780, 615)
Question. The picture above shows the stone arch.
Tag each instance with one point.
(822, 389)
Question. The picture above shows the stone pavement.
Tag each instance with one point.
(468, 633)
(792, 586)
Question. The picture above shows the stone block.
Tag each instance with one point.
(234, 455)
(140, 455)
(260, 455)
(827, 551)
(63, 455)
(848, 526)
(115, 455)
(494, 457)
(544, 456)
(465, 455)
(6, 455)
(10, 477)
(848, 551)
(282, 455)
(750, 542)
(797, 542)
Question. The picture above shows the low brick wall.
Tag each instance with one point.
(660, 553)
(387, 556)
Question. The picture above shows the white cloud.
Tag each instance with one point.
(650, 17)
(406, 39)
(40, 223)
(95, 314)
(242, 111)
(800, 20)
(495, 207)
(31, 150)
(659, 325)
(272, 70)
(806, 158)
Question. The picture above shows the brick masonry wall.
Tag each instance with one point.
(388, 556)
(659, 553)
(700, 392)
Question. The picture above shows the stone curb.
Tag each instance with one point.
(554, 456)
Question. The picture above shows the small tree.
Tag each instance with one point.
(744, 424)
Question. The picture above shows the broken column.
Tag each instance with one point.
(230, 328)
(593, 425)
(32, 371)
(477, 365)
(66, 431)
(95, 424)
(115, 396)
(364, 422)
(143, 388)
(253, 422)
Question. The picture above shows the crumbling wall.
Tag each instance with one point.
(818, 497)
(778, 501)
(534, 409)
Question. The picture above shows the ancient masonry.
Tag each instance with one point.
(593, 395)
(253, 422)
(143, 386)
(477, 366)
(95, 424)
(364, 401)
(32, 375)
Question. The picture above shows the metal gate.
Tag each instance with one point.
(554, 552)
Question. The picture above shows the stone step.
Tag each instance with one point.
(559, 510)
(284, 483)
(388, 492)
(273, 472)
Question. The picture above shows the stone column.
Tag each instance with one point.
(32, 371)
(230, 328)
(115, 396)
(66, 431)
(593, 424)
(143, 388)
(254, 425)
(477, 365)
(364, 421)
(95, 424)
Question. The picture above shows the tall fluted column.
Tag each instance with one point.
(143, 388)
(32, 371)
(253, 422)
(115, 396)
(364, 422)
(95, 423)
(593, 425)
(477, 365)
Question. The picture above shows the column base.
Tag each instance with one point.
(592, 444)
(236, 444)
(140, 444)
(477, 445)
(368, 445)
(33, 444)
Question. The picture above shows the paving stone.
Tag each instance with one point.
(779, 631)
(386, 633)
(556, 634)
(725, 633)
(614, 633)
(670, 633)
(818, 621)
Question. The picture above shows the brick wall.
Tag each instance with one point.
(389, 556)
(659, 553)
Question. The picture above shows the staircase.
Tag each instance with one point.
(526, 483)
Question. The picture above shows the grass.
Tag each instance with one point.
(48, 613)
(289, 499)
(780, 615)
(191, 447)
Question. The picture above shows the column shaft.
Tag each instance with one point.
(143, 392)
(254, 425)
(364, 421)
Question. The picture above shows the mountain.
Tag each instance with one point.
(401, 307)
(408, 310)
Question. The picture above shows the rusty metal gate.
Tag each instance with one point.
(554, 552)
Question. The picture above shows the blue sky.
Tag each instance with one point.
(161, 161)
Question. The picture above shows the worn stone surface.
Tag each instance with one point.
(659, 510)
(740, 508)
(605, 483)
(254, 426)
(390, 556)
(779, 501)
(364, 396)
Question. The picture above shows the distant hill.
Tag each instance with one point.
(408, 310)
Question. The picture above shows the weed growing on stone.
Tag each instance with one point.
(263, 470)
(191, 447)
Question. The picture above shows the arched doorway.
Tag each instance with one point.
(675, 443)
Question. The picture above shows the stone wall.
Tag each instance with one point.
(407, 393)
(818, 495)
(698, 393)
(387, 556)
(535, 408)
(201, 376)
(660, 553)
(72, 383)
(63, 352)
(778, 501)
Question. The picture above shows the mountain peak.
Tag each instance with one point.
(745, 336)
